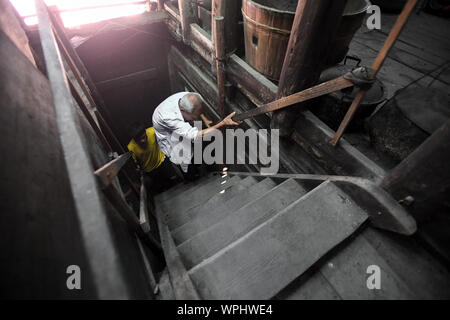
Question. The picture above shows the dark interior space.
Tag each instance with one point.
(129, 68)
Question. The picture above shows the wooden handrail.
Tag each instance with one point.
(310, 93)
(110, 170)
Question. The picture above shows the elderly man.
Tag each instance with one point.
(171, 121)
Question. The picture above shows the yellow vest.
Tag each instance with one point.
(151, 156)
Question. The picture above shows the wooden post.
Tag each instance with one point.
(217, 9)
(219, 44)
(313, 29)
(187, 17)
(423, 178)
(230, 11)
(220, 62)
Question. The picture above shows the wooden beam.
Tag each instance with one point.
(201, 43)
(172, 11)
(203, 38)
(313, 30)
(313, 136)
(252, 82)
(424, 175)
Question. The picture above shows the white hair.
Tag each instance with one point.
(188, 103)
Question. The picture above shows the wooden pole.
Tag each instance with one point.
(389, 43)
(230, 11)
(217, 9)
(219, 41)
(302, 96)
(313, 29)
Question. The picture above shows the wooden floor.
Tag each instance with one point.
(409, 270)
(421, 55)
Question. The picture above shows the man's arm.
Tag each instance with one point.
(225, 122)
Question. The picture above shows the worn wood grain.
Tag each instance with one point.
(238, 223)
(278, 251)
(204, 219)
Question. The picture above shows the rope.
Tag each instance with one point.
(283, 31)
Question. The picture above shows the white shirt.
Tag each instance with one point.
(169, 126)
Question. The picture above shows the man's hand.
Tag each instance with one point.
(229, 122)
(225, 122)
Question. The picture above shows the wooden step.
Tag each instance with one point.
(230, 191)
(193, 197)
(347, 273)
(182, 187)
(205, 219)
(263, 262)
(238, 223)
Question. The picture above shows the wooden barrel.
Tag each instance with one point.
(267, 27)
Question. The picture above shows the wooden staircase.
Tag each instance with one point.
(237, 237)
